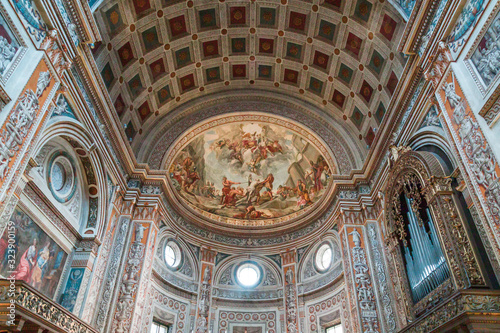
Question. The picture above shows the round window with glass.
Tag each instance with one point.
(324, 258)
(248, 275)
(173, 254)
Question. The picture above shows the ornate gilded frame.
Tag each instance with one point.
(435, 187)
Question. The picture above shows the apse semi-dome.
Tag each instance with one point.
(250, 170)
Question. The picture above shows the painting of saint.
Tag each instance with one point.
(39, 261)
(250, 171)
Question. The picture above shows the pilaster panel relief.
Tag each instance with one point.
(130, 286)
(203, 308)
(365, 295)
(349, 281)
(112, 272)
(100, 267)
(381, 281)
(290, 293)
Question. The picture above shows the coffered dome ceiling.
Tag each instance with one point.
(337, 55)
(249, 89)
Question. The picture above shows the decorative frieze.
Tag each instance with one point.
(363, 283)
(112, 273)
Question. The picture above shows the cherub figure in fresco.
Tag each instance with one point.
(268, 186)
(226, 188)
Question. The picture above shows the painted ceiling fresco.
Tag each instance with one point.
(250, 171)
(338, 55)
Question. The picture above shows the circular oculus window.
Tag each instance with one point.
(323, 258)
(61, 177)
(173, 254)
(248, 275)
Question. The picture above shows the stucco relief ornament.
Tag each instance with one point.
(291, 298)
(396, 152)
(7, 53)
(61, 106)
(19, 122)
(130, 281)
(493, 193)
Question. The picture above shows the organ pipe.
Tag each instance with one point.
(426, 266)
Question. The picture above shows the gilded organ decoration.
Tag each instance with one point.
(421, 211)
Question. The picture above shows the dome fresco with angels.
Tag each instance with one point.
(250, 171)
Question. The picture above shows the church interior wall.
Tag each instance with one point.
(103, 243)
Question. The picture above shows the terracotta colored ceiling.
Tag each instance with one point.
(338, 55)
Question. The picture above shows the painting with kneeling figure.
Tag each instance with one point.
(39, 261)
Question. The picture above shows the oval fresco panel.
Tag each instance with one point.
(250, 171)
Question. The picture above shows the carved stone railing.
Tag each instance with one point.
(477, 307)
(33, 306)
